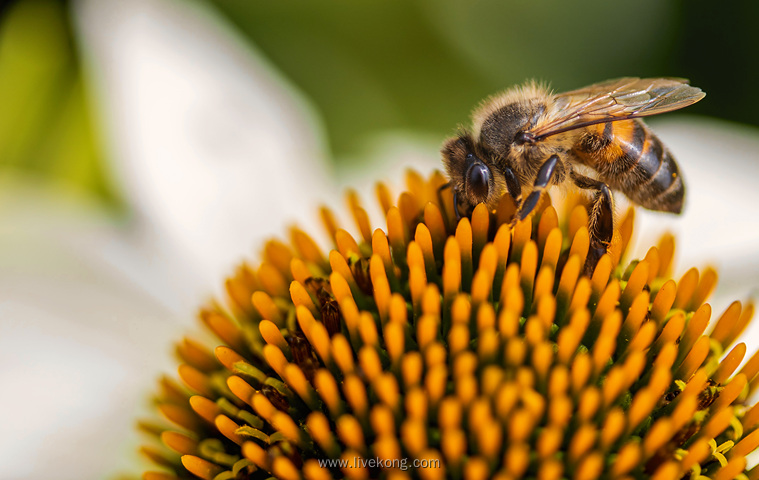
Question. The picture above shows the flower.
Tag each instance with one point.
(90, 300)
(460, 349)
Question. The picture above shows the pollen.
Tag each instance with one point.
(433, 347)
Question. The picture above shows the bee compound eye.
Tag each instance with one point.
(478, 178)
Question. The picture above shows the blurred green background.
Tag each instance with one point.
(373, 67)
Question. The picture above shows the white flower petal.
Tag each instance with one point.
(212, 150)
(80, 344)
(215, 156)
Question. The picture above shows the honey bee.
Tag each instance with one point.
(528, 139)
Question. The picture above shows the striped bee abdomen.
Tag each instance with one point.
(631, 159)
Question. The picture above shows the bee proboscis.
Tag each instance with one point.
(528, 139)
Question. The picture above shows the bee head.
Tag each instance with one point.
(471, 175)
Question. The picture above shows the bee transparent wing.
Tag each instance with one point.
(619, 99)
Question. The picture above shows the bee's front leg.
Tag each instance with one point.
(513, 186)
(601, 222)
(542, 181)
(456, 205)
(456, 209)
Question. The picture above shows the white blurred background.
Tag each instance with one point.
(146, 147)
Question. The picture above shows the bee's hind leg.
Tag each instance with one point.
(601, 222)
(545, 174)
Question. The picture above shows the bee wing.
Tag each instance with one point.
(619, 99)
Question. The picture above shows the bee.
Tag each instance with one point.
(528, 139)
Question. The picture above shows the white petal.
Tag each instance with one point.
(80, 345)
(213, 151)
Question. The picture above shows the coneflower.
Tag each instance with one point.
(470, 349)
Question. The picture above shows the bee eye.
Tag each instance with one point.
(478, 177)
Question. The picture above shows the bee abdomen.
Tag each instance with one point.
(662, 187)
(630, 158)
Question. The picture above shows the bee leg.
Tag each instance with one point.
(541, 182)
(456, 205)
(455, 199)
(513, 186)
(601, 222)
